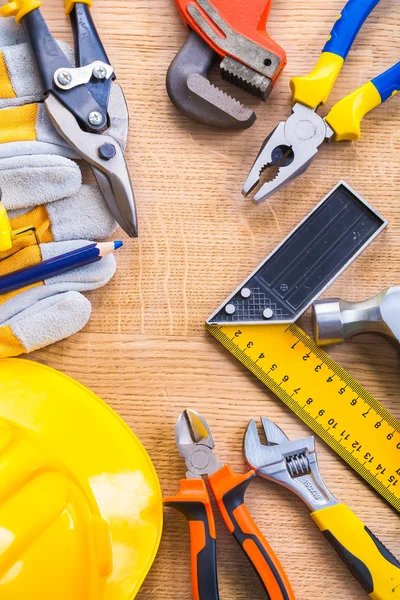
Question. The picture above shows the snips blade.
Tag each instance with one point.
(195, 444)
(105, 154)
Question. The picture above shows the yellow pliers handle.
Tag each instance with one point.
(313, 90)
(374, 567)
(20, 8)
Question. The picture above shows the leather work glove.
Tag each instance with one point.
(42, 187)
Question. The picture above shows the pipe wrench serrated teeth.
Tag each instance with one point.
(246, 78)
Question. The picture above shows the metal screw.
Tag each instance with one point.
(64, 78)
(268, 313)
(99, 72)
(229, 309)
(95, 118)
(245, 292)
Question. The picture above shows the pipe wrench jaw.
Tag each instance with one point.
(195, 96)
(292, 464)
(250, 60)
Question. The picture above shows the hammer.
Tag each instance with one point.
(336, 320)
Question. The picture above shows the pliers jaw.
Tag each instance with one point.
(292, 146)
(195, 444)
(292, 464)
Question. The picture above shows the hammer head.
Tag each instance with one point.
(337, 320)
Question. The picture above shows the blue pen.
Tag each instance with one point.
(56, 266)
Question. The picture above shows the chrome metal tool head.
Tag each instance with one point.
(104, 153)
(195, 444)
(336, 320)
(292, 146)
(292, 464)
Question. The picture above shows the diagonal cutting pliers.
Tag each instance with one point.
(294, 143)
(293, 464)
(195, 444)
(85, 105)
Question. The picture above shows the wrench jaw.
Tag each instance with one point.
(246, 78)
(292, 464)
(195, 96)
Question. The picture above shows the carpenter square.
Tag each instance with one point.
(314, 254)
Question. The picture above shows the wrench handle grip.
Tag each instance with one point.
(367, 559)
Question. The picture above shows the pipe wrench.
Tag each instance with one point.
(234, 32)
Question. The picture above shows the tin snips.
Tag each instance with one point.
(85, 105)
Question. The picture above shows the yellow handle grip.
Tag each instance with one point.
(374, 567)
(346, 116)
(5, 231)
(19, 8)
(314, 89)
(69, 4)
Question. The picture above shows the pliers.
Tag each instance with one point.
(233, 31)
(294, 143)
(293, 464)
(195, 444)
(85, 105)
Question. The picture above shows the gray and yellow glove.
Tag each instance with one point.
(42, 187)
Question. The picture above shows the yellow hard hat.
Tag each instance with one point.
(80, 502)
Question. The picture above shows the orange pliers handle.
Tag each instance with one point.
(229, 490)
(248, 19)
(193, 501)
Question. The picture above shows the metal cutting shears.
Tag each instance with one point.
(195, 444)
(85, 105)
(294, 143)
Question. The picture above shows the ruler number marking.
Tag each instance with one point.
(325, 424)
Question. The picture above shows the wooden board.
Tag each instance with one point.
(145, 350)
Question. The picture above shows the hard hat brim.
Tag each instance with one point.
(97, 446)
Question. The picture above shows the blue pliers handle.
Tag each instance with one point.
(314, 89)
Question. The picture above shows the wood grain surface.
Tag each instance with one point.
(145, 350)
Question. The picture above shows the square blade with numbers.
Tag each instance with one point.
(313, 255)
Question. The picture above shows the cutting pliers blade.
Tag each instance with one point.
(195, 444)
(293, 464)
(294, 143)
(84, 104)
